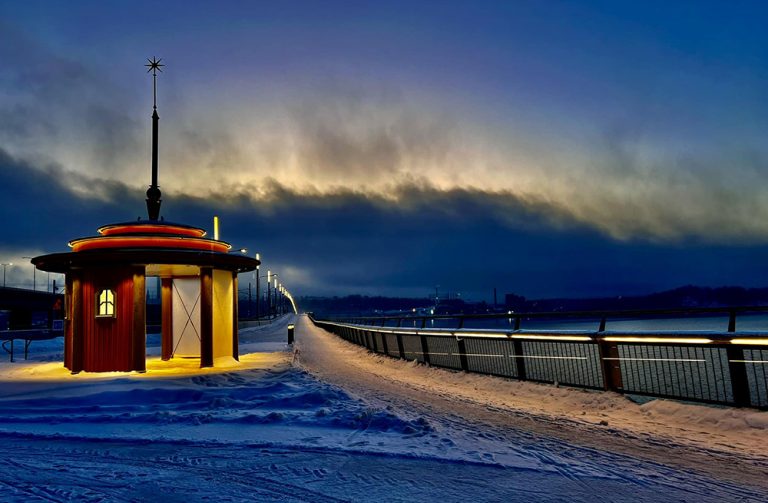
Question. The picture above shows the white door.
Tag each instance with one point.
(186, 317)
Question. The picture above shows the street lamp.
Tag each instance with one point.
(34, 275)
(5, 265)
(274, 288)
(270, 277)
(258, 290)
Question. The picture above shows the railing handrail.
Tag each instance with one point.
(713, 336)
(603, 313)
(723, 367)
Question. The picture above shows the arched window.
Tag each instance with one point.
(106, 304)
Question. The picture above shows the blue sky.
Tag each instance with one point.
(544, 148)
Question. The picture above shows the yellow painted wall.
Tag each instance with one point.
(222, 313)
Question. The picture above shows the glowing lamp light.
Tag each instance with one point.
(105, 242)
(216, 228)
(747, 342)
(581, 338)
(128, 229)
(660, 340)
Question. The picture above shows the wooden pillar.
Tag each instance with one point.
(517, 347)
(739, 379)
(76, 352)
(235, 339)
(139, 339)
(166, 308)
(611, 365)
(206, 317)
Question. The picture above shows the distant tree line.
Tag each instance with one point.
(683, 297)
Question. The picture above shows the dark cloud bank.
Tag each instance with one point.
(347, 242)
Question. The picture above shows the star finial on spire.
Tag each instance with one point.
(154, 65)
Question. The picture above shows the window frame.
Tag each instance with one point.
(110, 301)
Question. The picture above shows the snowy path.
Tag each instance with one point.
(709, 451)
(266, 430)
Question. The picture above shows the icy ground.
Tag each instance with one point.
(334, 423)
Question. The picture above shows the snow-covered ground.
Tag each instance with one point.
(332, 422)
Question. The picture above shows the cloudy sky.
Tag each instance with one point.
(547, 148)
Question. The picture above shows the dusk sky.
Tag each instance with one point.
(546, 148)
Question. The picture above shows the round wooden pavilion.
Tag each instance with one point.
(105, 297)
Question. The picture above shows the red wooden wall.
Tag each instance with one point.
(107, 342)
(100, 344)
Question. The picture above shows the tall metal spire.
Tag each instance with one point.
(153, 193)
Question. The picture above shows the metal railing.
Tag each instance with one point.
(28, 336)
(724, 367)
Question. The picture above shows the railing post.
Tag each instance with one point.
(462, 354)
(609, 362)
(517, 323)
(400, 347)
(739, 381)
(462, 347)
(517, 346)
(424, 348)
(737, 368)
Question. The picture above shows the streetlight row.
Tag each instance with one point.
(277, 295)
(6, 265)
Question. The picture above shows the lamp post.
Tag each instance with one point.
(5, 265)
(269, 277)
(34, 275)
(275, 303)
(258, 290)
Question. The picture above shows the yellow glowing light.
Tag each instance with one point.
(103, 242)
(656, 340)
(758, 342)
(656, 359)
(549, 357)
(216, 228)
(480, 334)
(583, 338)
(156, 369)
